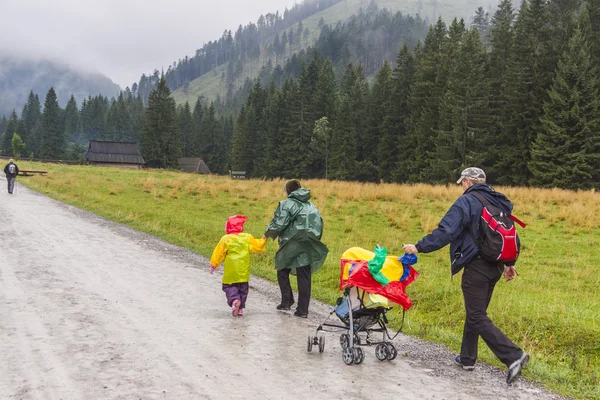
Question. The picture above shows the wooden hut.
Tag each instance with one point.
(114, 154)
(193, 164)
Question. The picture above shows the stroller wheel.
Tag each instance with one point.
(381, 352)
(356, 340)
(359, 355)
(348, 356)
(310, 344)
(321, 344)
(345, 340)
(392, 352)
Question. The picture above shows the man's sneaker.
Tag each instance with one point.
(514, 371)
(235, 308)
(284, 307)
(241, 312)
(301, 315)
(458, 361)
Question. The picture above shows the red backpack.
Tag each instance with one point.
(498, 239)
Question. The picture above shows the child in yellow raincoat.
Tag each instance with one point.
(235, 248)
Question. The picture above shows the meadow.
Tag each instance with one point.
(551, 309)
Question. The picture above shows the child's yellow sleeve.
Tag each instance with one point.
(219, 253)
(257, 245)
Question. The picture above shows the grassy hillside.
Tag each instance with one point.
(210, 85)
(551, 309)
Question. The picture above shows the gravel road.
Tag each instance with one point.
(90, 309)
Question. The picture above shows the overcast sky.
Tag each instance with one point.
(121, 38)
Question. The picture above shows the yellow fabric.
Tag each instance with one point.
(235, 251)
(392, 268)
(369, 300)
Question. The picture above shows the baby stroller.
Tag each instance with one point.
(372, 284)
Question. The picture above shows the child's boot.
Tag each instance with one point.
(235, 308)
(241, 312)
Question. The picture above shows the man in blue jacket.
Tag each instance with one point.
(460, 229)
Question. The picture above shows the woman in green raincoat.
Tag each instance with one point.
(299, 226)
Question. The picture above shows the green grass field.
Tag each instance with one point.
(551, 309)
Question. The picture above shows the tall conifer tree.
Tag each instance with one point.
(161, 145)
(72, 125)
(525, 91)
(186, 129)
(566, 153)
(11, 129)
(52, 143)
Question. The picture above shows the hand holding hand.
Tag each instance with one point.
(410, 248)
(509, 273)
(212, 269)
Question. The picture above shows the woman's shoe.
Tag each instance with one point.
(301, 315)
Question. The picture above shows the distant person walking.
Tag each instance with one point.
(298, 225)
(11, 170)
(460, 228)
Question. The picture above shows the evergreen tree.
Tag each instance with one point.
(379, 107)
(481, 21)
(294, 136)
(52, 140)
(136, 112)
(525, 91)
(325, 96)
(257, 130)
(566, 153)
(161, 145)
(593, 32)
(93, 117)
(215, 153)
(17, 145)
(111, 128)
(11, 129)
(186, 129)
(122, 124)
(3, 123)
(241, 160)
(501, 33)
(393, 146)
(31, 115)
(197, 140)
(72, 125)
(274, 115)
(428, 130)
(464, 120)
(320, 146)
(349, 128)
(429, 87)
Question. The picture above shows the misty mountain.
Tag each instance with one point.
(19, 76)
(222, 67)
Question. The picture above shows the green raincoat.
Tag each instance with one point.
(299, 226)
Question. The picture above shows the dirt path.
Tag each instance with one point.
(90, 309)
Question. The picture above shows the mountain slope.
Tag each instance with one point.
(19, 76)
(212, 84)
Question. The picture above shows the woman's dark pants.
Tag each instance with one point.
(304, 286)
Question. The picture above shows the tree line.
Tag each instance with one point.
(165, 132)
(522, 103)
